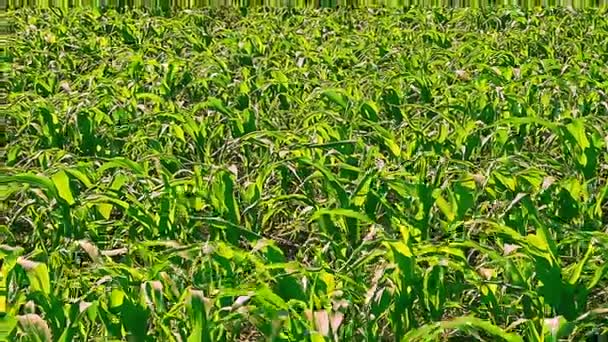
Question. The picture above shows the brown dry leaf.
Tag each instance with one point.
(234, 170)
(336, 321)
(65, 86)
(462, 74)
(34, 325)
(83, 306)
(27, 264)
(322, 322)
(156, 285)
(115, 252)
(517, 73)
(508, 248)
(547, 181)
(479, 179)
(240, 301)
(90, 249)
(372, 290)
(487, 273)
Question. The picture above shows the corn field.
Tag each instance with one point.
(298, 174)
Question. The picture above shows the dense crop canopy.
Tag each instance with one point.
(293, 174)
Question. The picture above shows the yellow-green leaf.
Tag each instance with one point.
(62, 183)
(443, 205)
(178, 132)
(37, 274)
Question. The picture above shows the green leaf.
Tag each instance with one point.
(218, 105)
(197, 314)
(38, 275)
(577, 129)
(229, 198)
(370, 111)
(340, 212)
(105, 204)
(29, 178)
(285, 290)
(336, 96)
(62, 183)
(431, 332)
(578, 269)
(507, 181)
(121, 162)
(443, 205)
(316, 337)
(116, 298)
(600, 272)
(81, 176)
(178, 132)
(404, 257)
